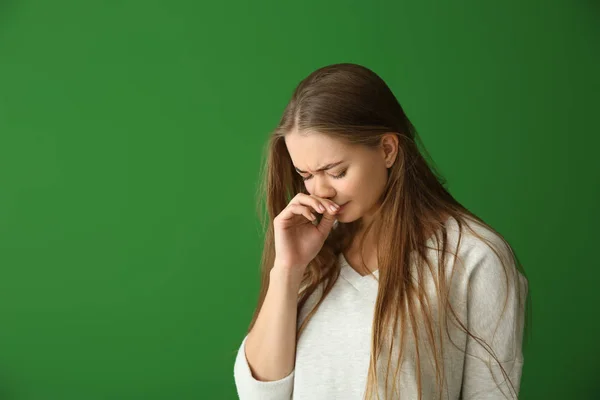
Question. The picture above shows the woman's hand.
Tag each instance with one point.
(298, 239)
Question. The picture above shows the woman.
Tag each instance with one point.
(401, 292)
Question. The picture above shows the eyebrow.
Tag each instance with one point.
(326, 167)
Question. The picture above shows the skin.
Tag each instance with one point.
(366, 172)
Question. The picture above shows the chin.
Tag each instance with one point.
(347, 218)
(349, 214)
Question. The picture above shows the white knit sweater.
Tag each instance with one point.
(332, 356)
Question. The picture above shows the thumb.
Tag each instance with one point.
(326, 223)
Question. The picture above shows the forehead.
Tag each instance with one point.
(309, 152)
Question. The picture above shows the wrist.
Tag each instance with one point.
(287, 276)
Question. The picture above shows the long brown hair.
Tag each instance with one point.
(351, 103)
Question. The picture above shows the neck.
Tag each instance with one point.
(363, 258)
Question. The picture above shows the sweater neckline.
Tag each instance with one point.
(360, 282)
(371, 281)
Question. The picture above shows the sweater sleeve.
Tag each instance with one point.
(248, 388)
(495, 317)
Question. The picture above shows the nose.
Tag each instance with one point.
(322, 189)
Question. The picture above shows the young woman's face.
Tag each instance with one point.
(356, 183)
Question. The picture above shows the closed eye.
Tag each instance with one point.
(341, 175)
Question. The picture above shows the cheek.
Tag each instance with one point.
(351, 188)
(362, 187)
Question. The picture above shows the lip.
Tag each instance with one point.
(342, 207)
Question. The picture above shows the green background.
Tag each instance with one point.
(131, 135)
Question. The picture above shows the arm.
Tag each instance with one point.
(264, 366)
(495, 315)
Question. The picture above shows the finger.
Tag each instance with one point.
(329, 204)
(326, 223)
(298, 209)
(315, 202)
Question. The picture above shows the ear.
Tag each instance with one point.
(389, 148)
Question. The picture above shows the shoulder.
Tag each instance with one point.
(479, 251)
(485, 264)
